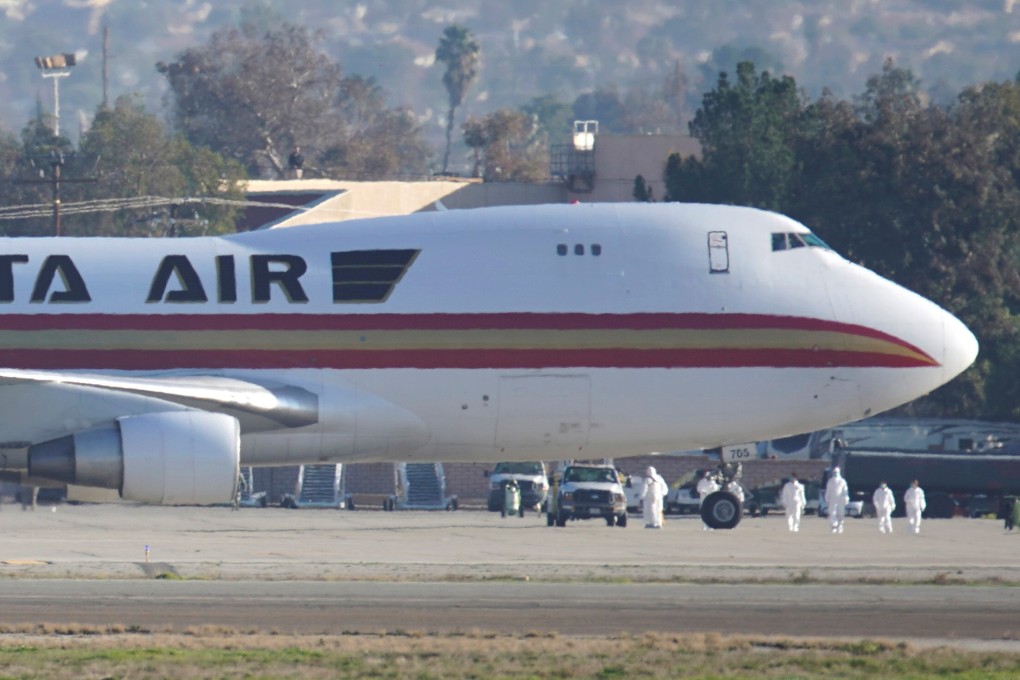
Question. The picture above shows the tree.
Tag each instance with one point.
(475, 136)
(31, 165)
(642, 191)
(510, 146)
(140, 172)
(747, 131)
(252, 95)
(378, 142)
(461, 54)
(132, 154)
(657, 108)
(605, 106)
(555, 118)
(10, 159)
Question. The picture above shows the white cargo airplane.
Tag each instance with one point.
(158, 366)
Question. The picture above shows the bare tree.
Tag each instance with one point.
(253, 95)
(510, 145)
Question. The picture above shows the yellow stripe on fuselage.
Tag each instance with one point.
(482, 339)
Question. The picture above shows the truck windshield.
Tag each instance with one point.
(590, 475)
(518, 469)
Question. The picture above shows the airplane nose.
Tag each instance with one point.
(960, 347)
(927, 346)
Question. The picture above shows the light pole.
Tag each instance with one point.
(57, 67)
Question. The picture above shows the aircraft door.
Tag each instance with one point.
(543, 412)
(718, 252)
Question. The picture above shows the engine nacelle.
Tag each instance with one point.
(178, 458)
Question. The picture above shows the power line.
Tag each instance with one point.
(136, 203)
(33, 210)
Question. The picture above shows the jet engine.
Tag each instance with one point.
(177, 458)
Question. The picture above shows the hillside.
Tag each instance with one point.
(530, 47)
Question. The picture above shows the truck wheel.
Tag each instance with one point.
(721, 510)
(621, 520)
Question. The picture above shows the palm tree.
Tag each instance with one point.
(462, 56)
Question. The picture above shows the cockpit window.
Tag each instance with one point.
(791, 240)
(813, 240)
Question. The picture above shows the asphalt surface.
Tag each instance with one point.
(328, 571)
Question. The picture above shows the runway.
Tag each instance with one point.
(331, 572)
(960, 612)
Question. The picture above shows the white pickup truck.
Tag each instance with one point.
(588, 491)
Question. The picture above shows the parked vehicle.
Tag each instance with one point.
(588, 491)
(530, 477)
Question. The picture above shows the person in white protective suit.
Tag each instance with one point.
(652, 493)
(837, 495)
(794, 501)
(914, 500)
(706, 487)
(885, 503)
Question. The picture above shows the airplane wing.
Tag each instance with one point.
(108, 430)
(257, 407)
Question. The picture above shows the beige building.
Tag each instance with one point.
(602, 172)
(618, 159)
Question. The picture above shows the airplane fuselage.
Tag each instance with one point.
(512, 333)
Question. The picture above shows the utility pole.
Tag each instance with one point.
(55, 180)
(106, 77)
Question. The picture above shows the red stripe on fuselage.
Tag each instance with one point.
(496, 321)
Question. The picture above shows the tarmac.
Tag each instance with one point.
(119, 540)
(367, 570)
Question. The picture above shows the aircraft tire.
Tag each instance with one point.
(721, 510)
